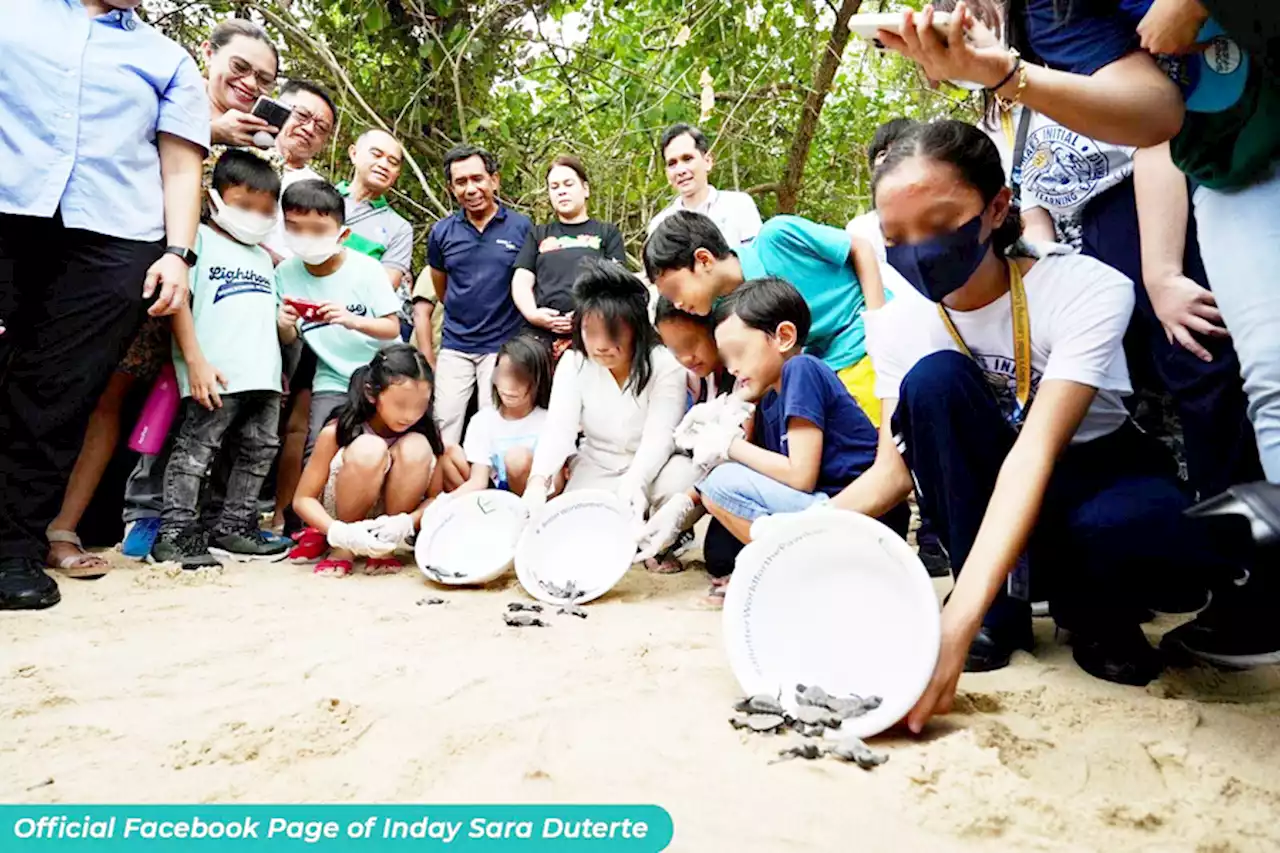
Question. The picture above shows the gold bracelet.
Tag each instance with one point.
(1008, 103)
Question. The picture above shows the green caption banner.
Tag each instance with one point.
(103, 829)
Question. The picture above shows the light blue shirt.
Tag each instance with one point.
(815, 259)
(81, 101)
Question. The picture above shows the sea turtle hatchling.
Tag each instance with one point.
(853, 750)
(812, 695)
(517, 606)
(440, 574)
(808, 729)
(758, 722)
(568, 592)
(807, 751)
(814, 715)
(761, 703)
(572, 610)
(523, 620)
(422, 601)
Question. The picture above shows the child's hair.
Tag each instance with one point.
(532, 361)
(764, 303)
(237, 168)
(314, 195)
(666, 310)
(394, 364)
(887, 134)
(605, 289)
(975, 159)
(673, 242)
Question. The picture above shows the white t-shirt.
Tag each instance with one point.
(867, 226)
(1061, 169)
(734, 213)
(490, 436)
(1079, 310)
(275, 242)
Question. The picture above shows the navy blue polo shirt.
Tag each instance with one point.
(479, 313)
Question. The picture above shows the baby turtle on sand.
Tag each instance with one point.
(807, 751)
(572, 610)
(808, 729)
(844, 707)
(853, 750)
(814, 715)
(517, 606)
(523, 620)
(440, 574)
(813, 695)
(761, 703)
(422, 601)
(569, 591)
(758, 722)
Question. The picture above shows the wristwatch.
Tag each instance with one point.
(188, 257)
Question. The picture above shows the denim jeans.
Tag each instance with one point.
(1240, 244)
(749, 494)
(250, 421)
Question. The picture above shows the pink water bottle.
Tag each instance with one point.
(157, 413)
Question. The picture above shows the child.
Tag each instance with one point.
(366, 484)
(498, 450)
(356, 307)
(692, 341)
(227, 356)
(810, 438)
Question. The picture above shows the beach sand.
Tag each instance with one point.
(261, 683)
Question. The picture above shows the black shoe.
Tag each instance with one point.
(935, 559)
(992, 650)
(1238, 630)
(25, 586)
(190, 549)
(1121, 656)
(249, 545)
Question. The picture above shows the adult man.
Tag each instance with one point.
(105, 124)
(376, 229)
(471, 256)
(303, 136)
(687, 156)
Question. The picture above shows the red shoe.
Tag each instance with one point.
(312, 544)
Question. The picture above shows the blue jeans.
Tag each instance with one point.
(1110, 538)
(1240, 245)
(749, 494)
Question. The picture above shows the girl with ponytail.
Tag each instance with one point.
(1005, 385)
(367, 481)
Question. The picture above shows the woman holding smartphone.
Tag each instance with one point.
(240, 65)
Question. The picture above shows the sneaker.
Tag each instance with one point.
(1121, 656)
(935, 559)
(311, 545)
(140, 537)
(25, 586)
(1238, 630)
(190, 549)
(250, 545)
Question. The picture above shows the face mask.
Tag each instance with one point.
(312, 250)
(941, 265)
(244, 225)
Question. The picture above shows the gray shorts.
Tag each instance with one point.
(323, 407)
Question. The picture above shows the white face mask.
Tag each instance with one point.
(312, 250)
(244, 225)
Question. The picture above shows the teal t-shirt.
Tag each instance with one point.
(815, 259)
(362, 286)
(233, 302)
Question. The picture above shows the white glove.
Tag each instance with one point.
(766, 525)
(664, 526)
(636, 501)
(535, 495)
(358, 539)
(712, 446)
(694, 419)
(393, 529)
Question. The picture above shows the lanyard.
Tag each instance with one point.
(1017, 145)
(1021, 340)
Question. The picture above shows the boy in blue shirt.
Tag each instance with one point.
(226, 354)
(335, 298)
(810, 438)
(837, 275)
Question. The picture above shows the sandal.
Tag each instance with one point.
(382, 566)
(81, 566)
(665, 563)
(715, 595)
(333, 568)
(311, 545)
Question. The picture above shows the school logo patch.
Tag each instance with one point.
(1062, 167)
(237, 281)
(1002, 378)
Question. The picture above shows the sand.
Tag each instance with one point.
(261, 683)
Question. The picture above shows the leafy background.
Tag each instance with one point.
(789, 105)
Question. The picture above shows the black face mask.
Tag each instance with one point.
(941, 265)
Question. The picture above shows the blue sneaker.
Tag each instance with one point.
(140, 538)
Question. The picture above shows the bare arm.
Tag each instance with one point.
(522, 293)
(394, 276)
(867, 267)
(181, 163)
(440, 281)
(423, 332)
(306, 499)
(887, 482)
(798, 469)
(477, 482)
(1037, 226)
(383, 328)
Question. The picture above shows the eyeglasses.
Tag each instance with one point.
(302, 116)
(241, 68)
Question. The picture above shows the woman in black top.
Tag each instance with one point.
(547, 265)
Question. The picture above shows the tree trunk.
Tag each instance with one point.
(789, 189)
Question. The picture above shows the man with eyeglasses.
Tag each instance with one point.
(303, 136)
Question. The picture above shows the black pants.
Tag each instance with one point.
(1110, 538)
(249, 422)
(1208, 397)
(71, 301)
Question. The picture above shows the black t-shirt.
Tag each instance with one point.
(553, 251)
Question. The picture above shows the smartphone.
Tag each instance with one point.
(272, 112)
(307, 310)
(867, 26)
